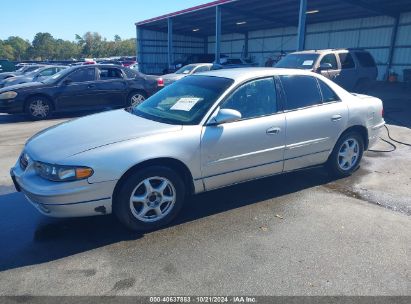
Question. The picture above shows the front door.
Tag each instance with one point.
(249, 148)
(79, 92)
(334, 71)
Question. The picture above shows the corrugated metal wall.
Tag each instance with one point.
(373, 34)
(152, 49)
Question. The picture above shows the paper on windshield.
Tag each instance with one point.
(308, 62)
(185, 103)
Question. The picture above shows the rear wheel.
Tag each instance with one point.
(347, 154)
(149, 199)
(136, 98)
(38, 107)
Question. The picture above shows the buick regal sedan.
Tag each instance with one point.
(201, 133)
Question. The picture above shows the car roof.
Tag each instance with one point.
(242, 74)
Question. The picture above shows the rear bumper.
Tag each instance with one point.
(374, 134)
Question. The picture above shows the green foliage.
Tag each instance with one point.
(44, 46)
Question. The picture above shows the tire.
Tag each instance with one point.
(135, 98)
(38, 108)
(142, 209)
(346, 155)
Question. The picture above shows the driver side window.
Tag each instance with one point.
(253, 99)
(331, 59)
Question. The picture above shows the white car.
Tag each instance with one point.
(203, 132)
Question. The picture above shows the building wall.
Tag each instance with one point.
(152, 49)
(373, 34)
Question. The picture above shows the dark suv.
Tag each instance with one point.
(353, 69)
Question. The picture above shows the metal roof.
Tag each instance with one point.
(262, 14)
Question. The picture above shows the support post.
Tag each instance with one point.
(139, 48)
(392, 45)
(246, 45)
(170, 53)
(205, 50)
(301, 25)
(217, 34)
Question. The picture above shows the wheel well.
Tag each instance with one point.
(171, 163)
(137, 91)
(362, 131)
(40, 95)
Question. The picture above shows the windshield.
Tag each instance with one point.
(186, 69)
(56, 77)
(298, 61)
(184, 102)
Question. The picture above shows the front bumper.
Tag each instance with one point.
(11, 106)
(63, 199)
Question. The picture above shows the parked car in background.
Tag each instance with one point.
(38, 75)
(6, 66)
(134, 66)
(112, 62)
(233, 63)
(204, 132)
(79, 88)
(189, 70)
(193, 58)
(128, 63)
(353, 69)
(21, 71)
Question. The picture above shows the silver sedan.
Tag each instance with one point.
(201, 133)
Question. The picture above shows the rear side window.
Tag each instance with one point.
(365, 59)
(347, 62)
(253, 99)
(330, 58)
(328, 94)
(110, 73)
(300, 91)
(204, 68)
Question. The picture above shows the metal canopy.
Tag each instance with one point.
(242, 16)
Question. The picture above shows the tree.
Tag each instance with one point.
(6, 51)
(19, 47)
(44, 46)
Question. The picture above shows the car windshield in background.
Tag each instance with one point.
(57, 76)
(186, 69)
(297, 61)
(185, 102)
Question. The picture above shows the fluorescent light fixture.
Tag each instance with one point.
(312, 12)
(196, 30)
(241, 22)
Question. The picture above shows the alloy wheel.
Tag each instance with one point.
(348, 154)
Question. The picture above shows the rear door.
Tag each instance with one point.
(80, 92)
(111, 86)
(250, 147)
(349, 74)
(315, 116)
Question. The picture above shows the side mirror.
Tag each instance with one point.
(325, 66)
(224, 116)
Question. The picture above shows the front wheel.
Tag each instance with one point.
(347, 154)
(38, 108)
(149, 199)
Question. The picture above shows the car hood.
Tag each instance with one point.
(89, 132)
(16, 80)
(21, 86)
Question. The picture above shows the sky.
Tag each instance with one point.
(65, 19)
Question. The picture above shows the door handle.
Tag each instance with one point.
(273, 131)
(336, 117)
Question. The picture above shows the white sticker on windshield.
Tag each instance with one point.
(185, 103)
(308, 62)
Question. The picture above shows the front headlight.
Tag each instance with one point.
(58, 173)
(8, 95)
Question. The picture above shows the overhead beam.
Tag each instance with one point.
(371, 7)
(301, 25)
(264, 17)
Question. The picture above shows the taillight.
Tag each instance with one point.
(160, 82)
